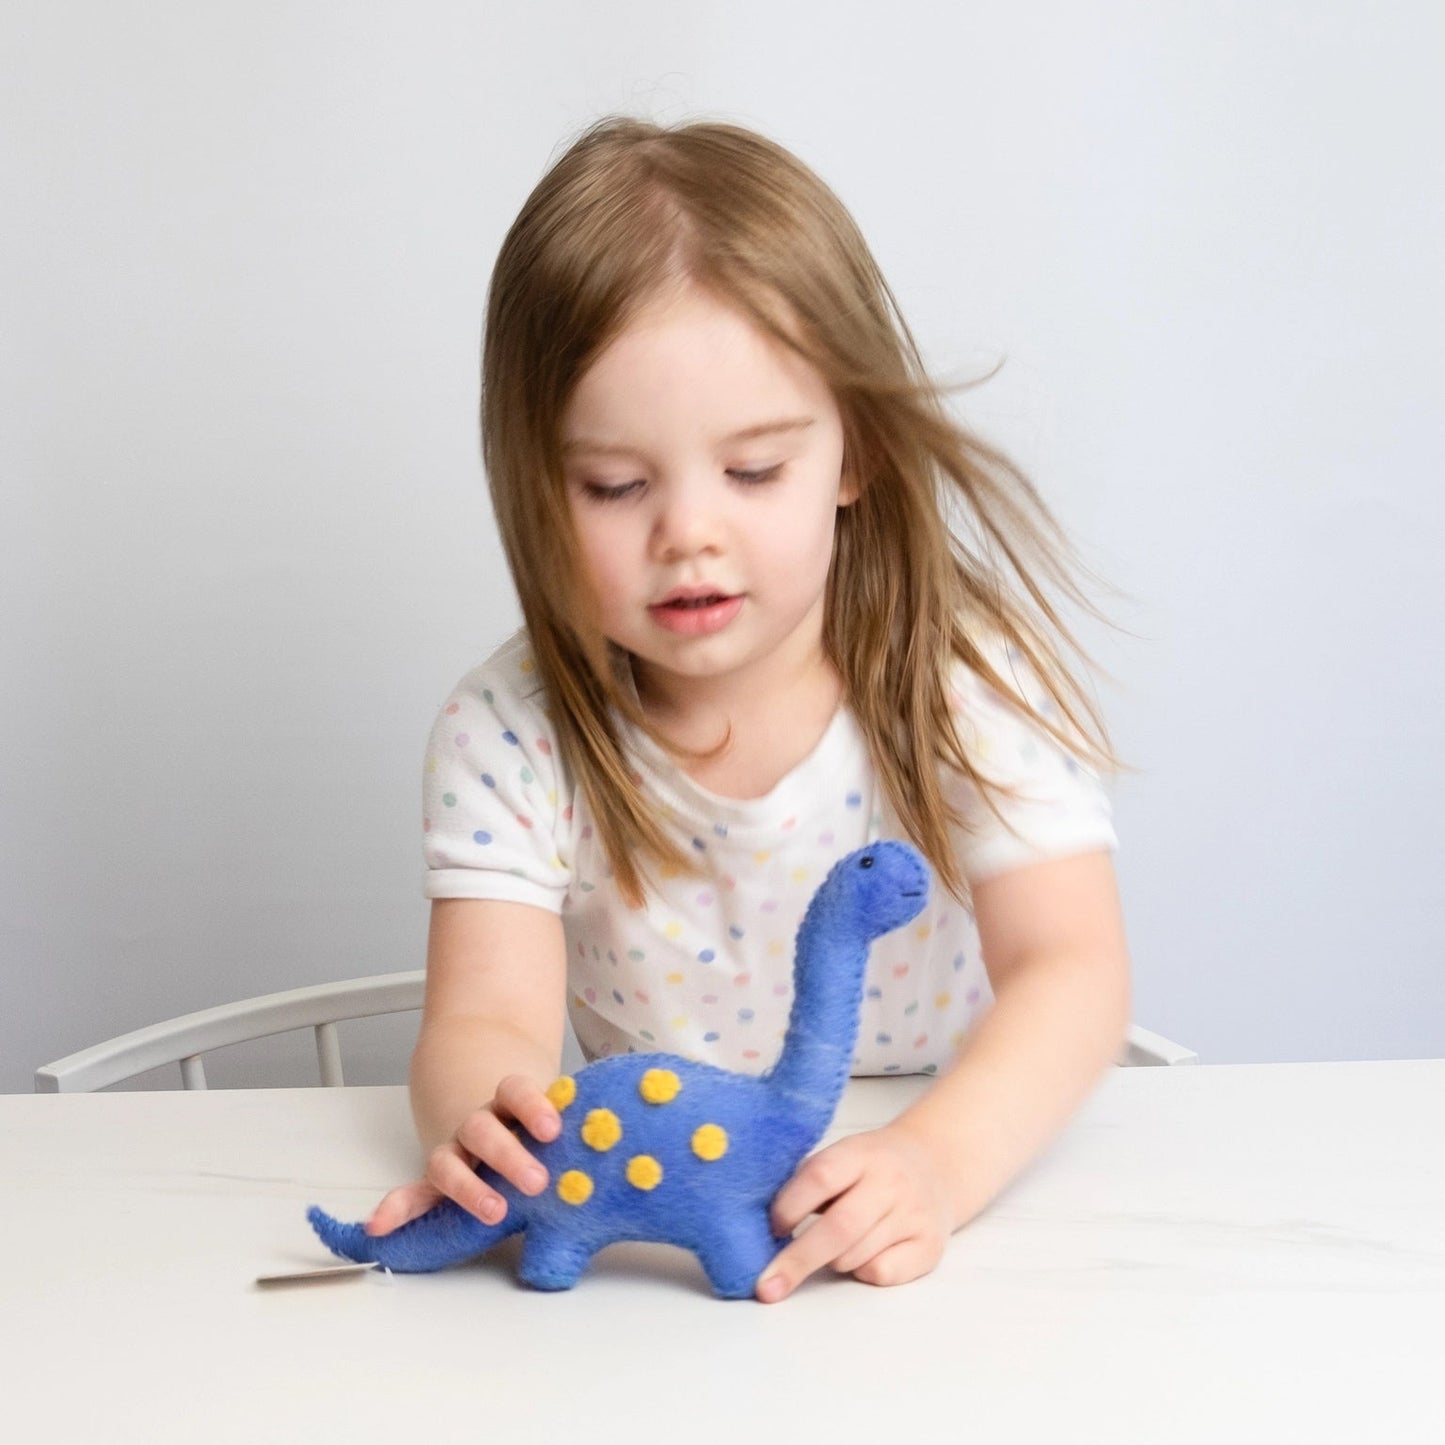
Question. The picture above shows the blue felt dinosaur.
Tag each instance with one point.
(664, 1149)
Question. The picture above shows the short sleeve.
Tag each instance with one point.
(495, 801)
(1060, 807)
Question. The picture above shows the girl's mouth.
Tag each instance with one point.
(696, 616)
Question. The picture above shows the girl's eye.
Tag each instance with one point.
(766, 474)
(596, 492)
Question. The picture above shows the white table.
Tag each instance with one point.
(1209, 1254)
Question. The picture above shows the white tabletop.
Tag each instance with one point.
(1208, 1254)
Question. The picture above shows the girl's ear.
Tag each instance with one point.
(848, 488)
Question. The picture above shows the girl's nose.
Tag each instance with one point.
(685, 524)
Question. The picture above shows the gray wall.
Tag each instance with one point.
(247, 548)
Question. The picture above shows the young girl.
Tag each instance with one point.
(753, 644)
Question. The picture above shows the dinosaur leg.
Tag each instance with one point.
(736, 1251)
(446, 1234)
(552, 1259)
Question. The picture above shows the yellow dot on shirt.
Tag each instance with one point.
(670, 870)
(526, 665)
(674, 978)
(800, 875)
(923, 930)
(673, 930)
(943, 1000)
(776, 947)
(761, 857)
(431, 765)
(680, 1022)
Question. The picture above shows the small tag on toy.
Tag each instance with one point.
(302, 1276)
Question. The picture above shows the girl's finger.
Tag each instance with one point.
(891, 1230)
(401, 1206)
(494, 1145)
(822, 1178)
(907, 1260)
(446, 1172)
(836, 1230)
(519, 1098)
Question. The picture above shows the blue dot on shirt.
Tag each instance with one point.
(875, 992)
(711, 1038)
(854, 800)
(745, 1015)
(617, 997)
(489, 780)
(510, 737)
(735, 931)
(706, 956)
(699, 844)
(481, 838)
(883, 1038)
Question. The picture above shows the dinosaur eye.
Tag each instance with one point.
(866, 861)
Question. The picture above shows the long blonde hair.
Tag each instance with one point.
(632, 208)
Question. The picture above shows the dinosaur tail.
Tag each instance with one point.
(445, 1234)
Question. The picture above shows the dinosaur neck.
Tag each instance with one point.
(823, 1025)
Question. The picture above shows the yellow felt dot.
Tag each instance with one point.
(601, 1130)
(659, 1086)
(710, 1142)
(644, 1172)
(561, 1092)
(574, 1187)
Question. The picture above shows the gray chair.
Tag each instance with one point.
(320, 1008)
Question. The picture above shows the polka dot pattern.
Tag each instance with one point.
(706, 965)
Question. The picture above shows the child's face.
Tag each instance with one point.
(706, 552)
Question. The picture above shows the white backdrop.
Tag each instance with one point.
(246, 543)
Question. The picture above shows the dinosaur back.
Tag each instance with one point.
(654, 1146)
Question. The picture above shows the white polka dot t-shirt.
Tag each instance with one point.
(705, 968)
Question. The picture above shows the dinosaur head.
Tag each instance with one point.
(878, 888)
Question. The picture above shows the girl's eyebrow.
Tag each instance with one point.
(748, 433)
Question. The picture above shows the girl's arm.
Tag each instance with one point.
(1053, 943)
(490, 1040)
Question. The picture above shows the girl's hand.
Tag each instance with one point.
(485, 1137)
(883, 1213)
